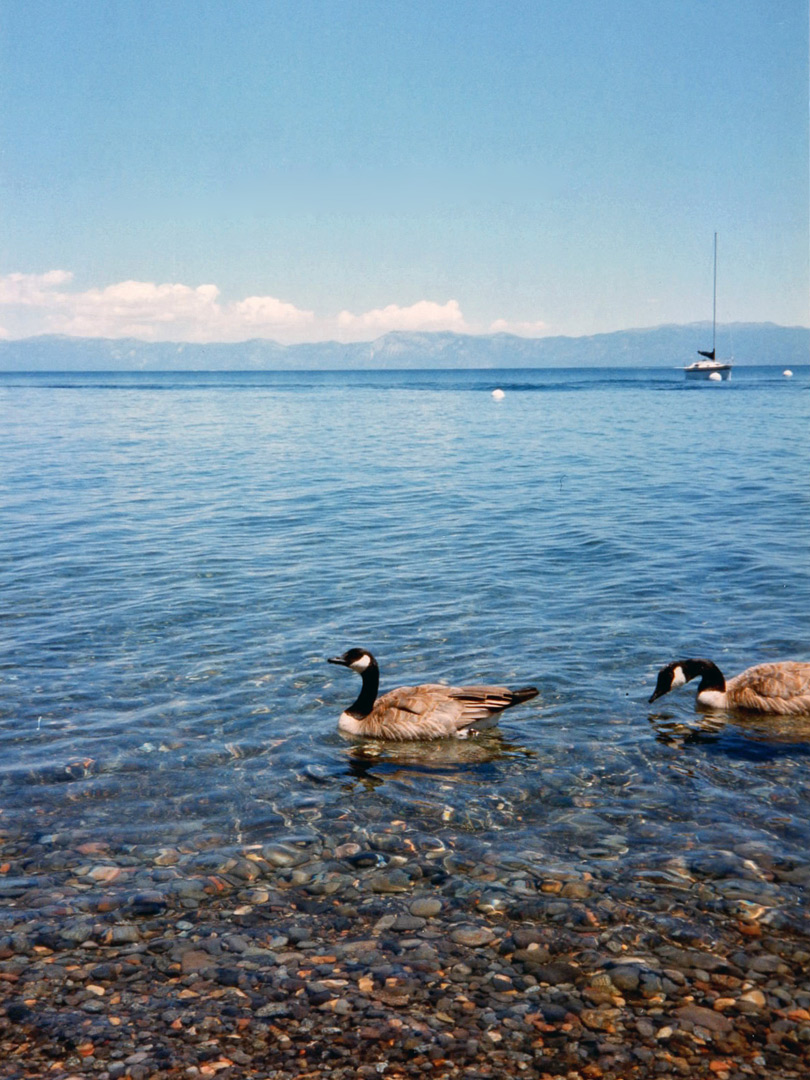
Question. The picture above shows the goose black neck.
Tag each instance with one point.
(711, 677)
(368, 692)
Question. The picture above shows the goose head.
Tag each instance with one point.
(358, 660)
(669, 678)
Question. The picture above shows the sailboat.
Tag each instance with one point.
(710, 367)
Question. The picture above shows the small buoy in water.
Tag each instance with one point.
(716, 376)
(788, 373)
(498, 394)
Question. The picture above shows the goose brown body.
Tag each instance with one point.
(427, 711)
(781, 688)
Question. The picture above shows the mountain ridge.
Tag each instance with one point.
(670, 345)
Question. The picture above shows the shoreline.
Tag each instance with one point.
(280, 979)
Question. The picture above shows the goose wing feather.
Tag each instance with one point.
(777, 688)
(434, 711)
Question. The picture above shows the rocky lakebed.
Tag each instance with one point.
(383, 952)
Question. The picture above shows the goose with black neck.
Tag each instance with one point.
(782, 688)
(427, 711)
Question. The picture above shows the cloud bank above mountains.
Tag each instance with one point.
(33, 304)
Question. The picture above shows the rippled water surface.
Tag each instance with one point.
(180, 553)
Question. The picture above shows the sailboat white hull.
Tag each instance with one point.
(706, 370)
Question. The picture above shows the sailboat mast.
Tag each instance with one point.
(710, 367)
(714, 298)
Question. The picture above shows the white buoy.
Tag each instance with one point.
(788, 373)
(716, 376)
(498, 394)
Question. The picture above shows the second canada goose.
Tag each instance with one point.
(430, 711)
(782, 688)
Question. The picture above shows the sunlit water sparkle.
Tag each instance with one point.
(181, 552)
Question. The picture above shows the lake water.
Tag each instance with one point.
(180, 553)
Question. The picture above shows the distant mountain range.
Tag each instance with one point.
(662, 346)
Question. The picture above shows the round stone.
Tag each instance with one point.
(473, 936)
(426, 907)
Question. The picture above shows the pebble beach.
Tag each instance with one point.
(392, 954)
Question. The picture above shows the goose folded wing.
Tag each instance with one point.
(784, 686)
(435, 711)
(414, 712)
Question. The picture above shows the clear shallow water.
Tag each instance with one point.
(179, 554)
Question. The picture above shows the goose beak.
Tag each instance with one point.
(655, 697)
(336, 660)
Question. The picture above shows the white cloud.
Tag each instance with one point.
(522, 329)
(267, 311)
(139, 309)
(143, 309)
(31, 290)
(47, 304)
(424, 315)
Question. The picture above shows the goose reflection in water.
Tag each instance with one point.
(375, 761)
(736, 735)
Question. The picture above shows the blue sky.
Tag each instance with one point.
(226, 169)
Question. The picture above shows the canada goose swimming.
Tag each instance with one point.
(430, 711)
(767, 688)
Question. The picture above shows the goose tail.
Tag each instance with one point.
(525, 693)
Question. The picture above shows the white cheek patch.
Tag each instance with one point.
(361, 664)
(678, 678)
